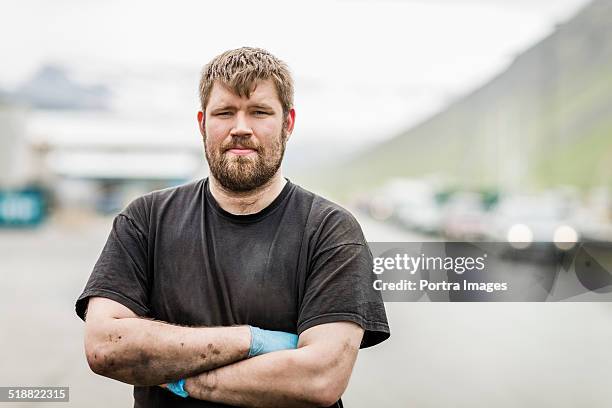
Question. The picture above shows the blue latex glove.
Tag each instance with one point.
(177, 388)
(266, 341)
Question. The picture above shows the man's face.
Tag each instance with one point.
(244, 138)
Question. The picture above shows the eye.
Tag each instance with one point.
(223, 114)
(261, 113)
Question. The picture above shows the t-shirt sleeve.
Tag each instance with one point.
(340, 284)
(120, 272)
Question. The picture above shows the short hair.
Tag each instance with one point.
(241, 68)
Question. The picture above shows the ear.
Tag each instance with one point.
(290, 122)
(201, 122)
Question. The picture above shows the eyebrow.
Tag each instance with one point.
(261, 105)
(223, 107)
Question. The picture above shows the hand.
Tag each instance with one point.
(177, 388)
(267, 341)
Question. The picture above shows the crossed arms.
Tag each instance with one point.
(123, 346)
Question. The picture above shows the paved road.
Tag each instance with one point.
(440, 354)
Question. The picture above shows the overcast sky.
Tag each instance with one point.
(364, 69)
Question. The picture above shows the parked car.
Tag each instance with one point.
(465, 217)
(534, 226)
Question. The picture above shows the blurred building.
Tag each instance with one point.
(14, 155)
(84, 161)
(106, 177)
(101, 160)
(22, 199)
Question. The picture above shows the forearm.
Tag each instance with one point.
(291, 378)
(146, 352)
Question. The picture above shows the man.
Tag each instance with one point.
(202, 290)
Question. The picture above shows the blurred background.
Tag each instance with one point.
(441, 120)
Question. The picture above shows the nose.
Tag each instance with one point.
(241, 126)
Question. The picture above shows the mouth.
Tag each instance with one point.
(241, 151)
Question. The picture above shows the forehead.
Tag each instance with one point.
(264, 92)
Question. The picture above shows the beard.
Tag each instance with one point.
(245, 173)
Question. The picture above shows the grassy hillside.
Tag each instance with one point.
(546, 120)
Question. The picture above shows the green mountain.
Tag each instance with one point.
(545, 121)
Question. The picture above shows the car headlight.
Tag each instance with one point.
(565, 237)
(519, 236)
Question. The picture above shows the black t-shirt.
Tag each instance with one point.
(177, 256)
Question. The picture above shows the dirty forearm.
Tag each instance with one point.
(272, 380)
(314, 375)
(145, 352)
(302, 378)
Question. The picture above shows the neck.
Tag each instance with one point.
(247, 202)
